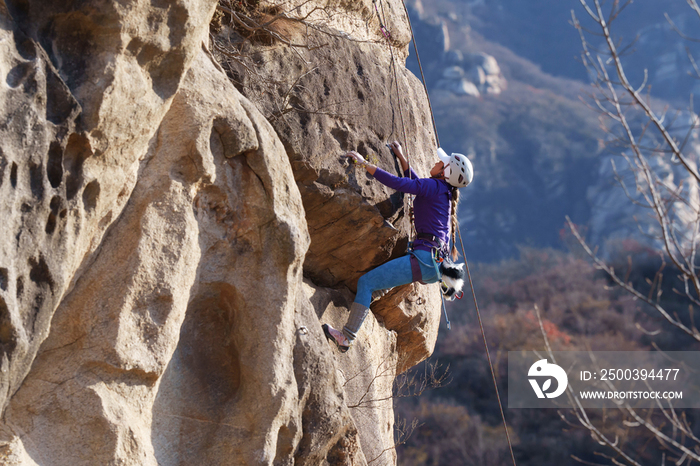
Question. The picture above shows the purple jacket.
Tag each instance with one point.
(431, 207)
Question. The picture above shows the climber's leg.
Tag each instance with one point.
(358, 312)
(427, 266)
(393, 273)
(388, 275)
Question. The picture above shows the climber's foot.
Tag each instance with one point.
(337, 337)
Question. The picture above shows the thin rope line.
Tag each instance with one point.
(387, 35)
(444, 308)
(471, 284)
(396, 86)
(420, 67)
(486, 346)
(459, 233)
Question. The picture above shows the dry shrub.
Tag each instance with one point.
(580, 311)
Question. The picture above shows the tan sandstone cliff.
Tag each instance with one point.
(177, 222)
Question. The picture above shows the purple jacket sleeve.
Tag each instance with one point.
(413, 175)
(417, 186)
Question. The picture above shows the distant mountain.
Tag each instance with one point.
(506, 89)
(541, 32)
(533, 143)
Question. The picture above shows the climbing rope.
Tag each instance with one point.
(422, 76)
(486, 347)
(385, 31)
(387, 36)
(459, 233)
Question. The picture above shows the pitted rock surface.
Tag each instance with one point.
(173, 238)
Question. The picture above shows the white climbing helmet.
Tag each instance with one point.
(459, 171)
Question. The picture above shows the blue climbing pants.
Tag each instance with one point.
(394, 273)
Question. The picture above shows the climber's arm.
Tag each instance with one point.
(358, 159)
(398, 153)
(419, 187)
(403, 160)
(410, 184)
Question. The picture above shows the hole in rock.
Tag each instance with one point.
(341, 136)
(36, 180)
(7, 333)
(54, 166)
(105, 221)
(3, 165)
(20, 287)
(285, 443)
(13, 175)
(90, 195)
(25, 46)
(77, 151)
(60, 103)
(39, 272)
(18, 74)
(55, 204)
(50, 224)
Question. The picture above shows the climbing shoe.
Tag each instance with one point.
(337, 337)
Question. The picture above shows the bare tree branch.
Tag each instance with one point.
(597, 16)
(626, 286)
(678, 31)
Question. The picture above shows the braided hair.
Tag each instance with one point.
(453, 226)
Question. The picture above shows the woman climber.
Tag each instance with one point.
(435, 214)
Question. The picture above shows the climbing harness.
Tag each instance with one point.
(438, 252)
(436, 256)
(459, 233)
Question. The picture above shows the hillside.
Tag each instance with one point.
(460, 422)
(509, 88)
(535, 144)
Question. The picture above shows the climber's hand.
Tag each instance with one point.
(356, 157)
(398, 153)
(396, 149)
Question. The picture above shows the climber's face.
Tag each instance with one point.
(437, 170)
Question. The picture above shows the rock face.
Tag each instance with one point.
(616, 219)
(449, 68)
(172, 242)
(79, 109)
(472, 75)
